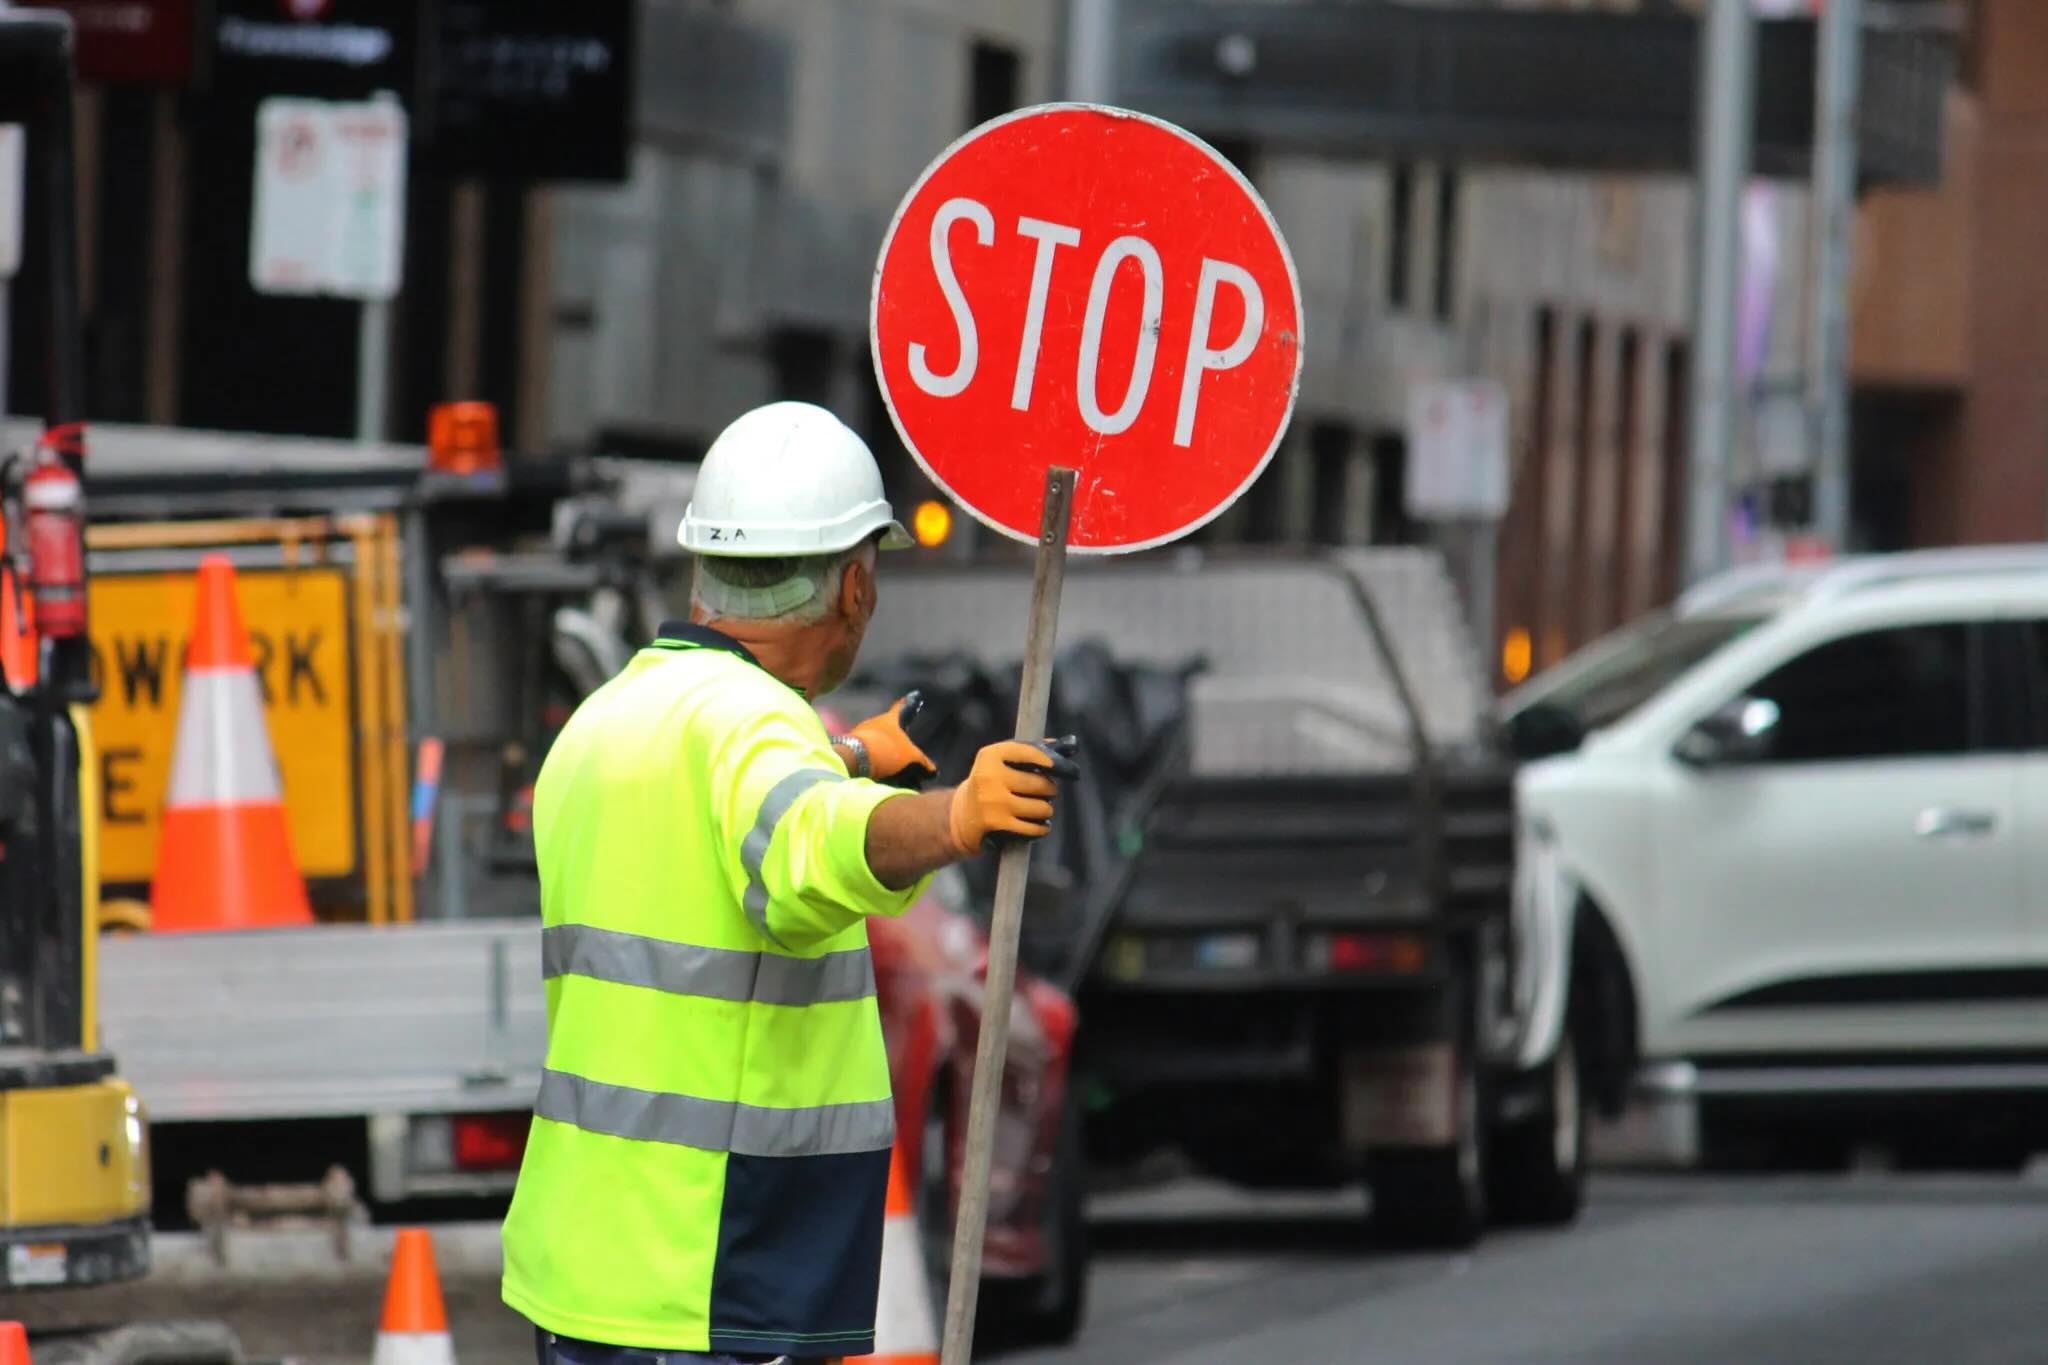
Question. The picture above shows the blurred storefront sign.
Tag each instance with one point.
(532, 89)
(341, 49)
(131, 42)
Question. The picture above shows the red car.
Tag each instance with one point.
(929, 971)
(929, 968)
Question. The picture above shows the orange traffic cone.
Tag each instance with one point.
(415, 1327)
(13, 1344)
(225, 857)
(906, 1329)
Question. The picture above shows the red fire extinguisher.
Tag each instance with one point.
(54, 500)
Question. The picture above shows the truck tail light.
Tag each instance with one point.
(490, 1142)
(1395, 954)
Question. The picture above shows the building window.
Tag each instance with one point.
(1626, 567)
(1573, 534)
(1677, 394)
(1400, 229)
(994, 76)
(1521, 583)
(1390, 522)
(1329, 448)
(802, 359)
(1444, 287)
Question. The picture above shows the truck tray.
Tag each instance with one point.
(328, 1021)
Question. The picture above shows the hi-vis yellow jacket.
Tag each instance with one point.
(709, 1155)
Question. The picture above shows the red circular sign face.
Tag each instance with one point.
(1089, 287)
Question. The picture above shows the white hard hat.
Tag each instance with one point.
(787, 479)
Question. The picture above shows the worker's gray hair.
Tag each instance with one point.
(796, 590)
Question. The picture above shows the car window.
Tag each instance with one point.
(1897, 693)
(2034, 635)
(1634, 667)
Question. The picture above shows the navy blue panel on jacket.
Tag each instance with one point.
(799, 1254)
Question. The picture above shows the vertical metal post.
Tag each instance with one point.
(1725, 118)
(1471, 550)
(373, 370)
(13, 191)
(1831, 235)
(164, 314)
(4, 321)
(1485, 570)
(1091, 51)
(1006, 920)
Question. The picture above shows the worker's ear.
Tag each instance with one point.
(856, 589)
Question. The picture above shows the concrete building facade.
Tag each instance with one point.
(772, 139)
(734, 269)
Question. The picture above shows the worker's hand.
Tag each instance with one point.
(893, 756)
(1009, 794)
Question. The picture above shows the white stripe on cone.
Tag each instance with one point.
(904, 1324)
(414, 1348)
(213, 763)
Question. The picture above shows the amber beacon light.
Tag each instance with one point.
(931, 523)
(1516, 655)
(462, 438)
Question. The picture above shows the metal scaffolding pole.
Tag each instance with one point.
(1726, 116)
(1831, 238)
(1091, 51)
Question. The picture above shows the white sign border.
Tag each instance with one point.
(1286, 257)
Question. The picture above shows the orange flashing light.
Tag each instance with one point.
(932, 523)
(462, 438)
(1517, 655)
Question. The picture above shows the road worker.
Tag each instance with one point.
(709, 1157)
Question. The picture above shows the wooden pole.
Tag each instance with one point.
(1033, 695)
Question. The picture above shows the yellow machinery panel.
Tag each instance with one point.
(73, 1155)
(299, 634)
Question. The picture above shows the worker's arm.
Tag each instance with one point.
(800, 829)
(1009, 794)
(912, 838)
(795, 827)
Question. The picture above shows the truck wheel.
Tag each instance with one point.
(1047, 1310)
(147, 1343)
(1537, 1174)
(1434, 1198)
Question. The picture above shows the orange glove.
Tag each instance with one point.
(892, 755)
(1009, 794)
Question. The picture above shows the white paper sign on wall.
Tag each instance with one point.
(1457, 451)
(330, 198)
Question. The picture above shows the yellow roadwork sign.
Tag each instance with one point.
(299, 635)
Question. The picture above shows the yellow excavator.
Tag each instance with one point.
(74, 1153)
(74, 1194)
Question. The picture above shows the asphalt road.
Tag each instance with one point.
(1665, 1269)
(1662, 1270)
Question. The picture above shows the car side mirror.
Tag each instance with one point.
(1743, 731)
(1543, 730)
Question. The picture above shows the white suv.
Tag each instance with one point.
(1809, 820)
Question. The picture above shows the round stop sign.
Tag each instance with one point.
(1075, 285)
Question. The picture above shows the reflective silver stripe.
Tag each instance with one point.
(754, 848)
(716, 973)
(715, 1125)
(213, 761)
